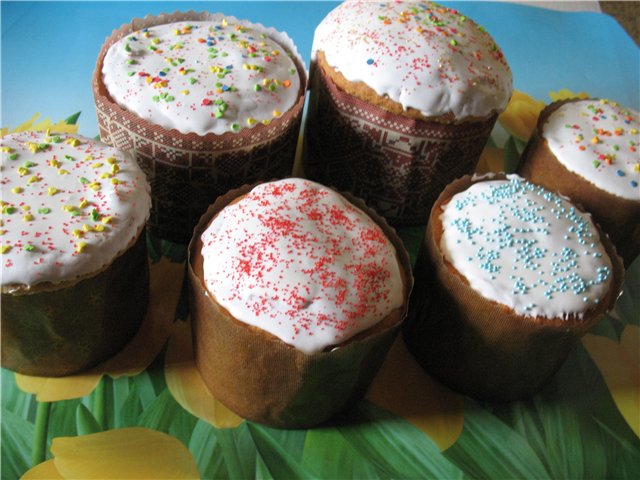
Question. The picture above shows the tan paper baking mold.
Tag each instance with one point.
(619, 217)
(263, 379)
(62, 330)
(398, 165)
(188, 171)
(479, 347)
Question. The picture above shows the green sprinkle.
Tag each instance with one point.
(9, 210)
(224, 54)
(44, 211)
(272, 87)
(152, 48)
(29, 248)
(219, 113)
(95, 215)
(155, 98)
(235, 127)
(84, 181)
(169, 98)
(292, 71)
(56, 139)
(29, 164)
(257, 87)
(453, 42)
(131, 74)
(13, 156)
(596, 164)
(192, 80)
(127, 48)
(131, 61)
(69, 157)
(218, 101)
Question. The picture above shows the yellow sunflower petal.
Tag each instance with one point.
(186, 384)
(521, 115)
(43, 471)
(123, 453)
(403, 387)
(565, 94)
(137, 355)
(491, 160)
(60, 388)
(23, 127)
(164, 292)
(619, 364)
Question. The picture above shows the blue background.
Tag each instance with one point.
(49, 49)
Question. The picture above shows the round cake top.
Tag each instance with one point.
(421, 55)
(297, 260)
(203, 77)
(70, 205)
(525, 247)
(598, 140)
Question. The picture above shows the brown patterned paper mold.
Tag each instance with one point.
(201, 119)
(75, 275)
(293, 318)
(508, 278)
(588, 150)
(403, 99)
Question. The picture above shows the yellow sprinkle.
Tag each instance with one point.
(69, 208)
(266, 121)
(26, 208)
(97, 165)
(595, 140)
(277, 113)
(78, 233)
(111, 160)
(224, 22)
(275, 52)
(6, 149)
(115, 181)
(266, 81)
(5, 249)
(2, 232)
(263, 44)
(245, 66)
(33, 179)
(62, 171)
(88, 158)
(148, 80)
(99, 228)
(105, 175)
(155, 41)
(95, 186)
(28, 217)
(52, 191)
(87, 228)
(74, 142)
(54, 163)
(84, 203)
(633, 131)
(106, 220)
(277, 82)
(1, 223)
(33, 147)
(23, 171)
(81, 247)
(16, 189)
(115, 169)
(184, 92)
(636, 168)
(251, 121)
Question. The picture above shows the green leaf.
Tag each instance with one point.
(412, 238)
(628, 304)
(73, 119)
(238, 451)
(326, 451)
(278, 461)
(511, 155)
(206, 450)
(14, 399)
(131, 409)
(85, 421)
(182, 426)
(62, 420)
(145, 388)
(160, 414)
(16, 439)
(394, 446)
(489, 448)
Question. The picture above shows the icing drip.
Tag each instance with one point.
(202, 77)
(421, 55)
(298, 261)
(598, 140)
(70, 205)
(525, 247)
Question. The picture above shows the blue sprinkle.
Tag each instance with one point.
(370, 61)
(210, 43)
(633, 183)
(620, 173)
(162, 74)
(229, 67)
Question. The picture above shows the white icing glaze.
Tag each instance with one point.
(297, 260)
(525, 247)
(421, 55)
(598, 140)
(202, 76)
(58, 196)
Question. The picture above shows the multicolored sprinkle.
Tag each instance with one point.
(200, 76)
(40, 243)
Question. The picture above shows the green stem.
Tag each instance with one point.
(99, 403)
(39, 448)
